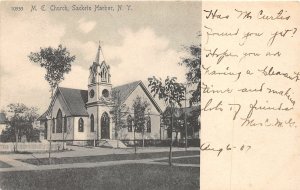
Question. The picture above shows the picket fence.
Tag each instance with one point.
(28, 147)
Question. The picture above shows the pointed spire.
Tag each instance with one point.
(98, 55)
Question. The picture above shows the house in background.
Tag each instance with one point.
(80, 116)
(192, 115)
(3, 122)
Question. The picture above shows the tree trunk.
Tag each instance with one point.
(143, 138)
(63, 133)
(170, 153)
(134, 141)
(17, 139)
(51, 123)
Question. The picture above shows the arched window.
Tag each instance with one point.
(80, 125)
(92, 123)
(103, 75)
(65, 124)
(53, 125)
(105, 130)
(129, 123)
(59, 122)
(46, 130)
(148, 125)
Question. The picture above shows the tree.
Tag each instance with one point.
(57, 62)
(172, 93)
(193, 75)
(139, 108)
(119, 113)
(20, 123)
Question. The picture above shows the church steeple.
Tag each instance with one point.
(99, 56)
(99, 71)
(99, 80)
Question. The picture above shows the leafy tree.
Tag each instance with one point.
(57, 62)
(140, 106)
(20, 122)
(172, 93)
(192, 123)
(193, 75)
(119, 113)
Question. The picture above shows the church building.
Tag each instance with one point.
(84, 116)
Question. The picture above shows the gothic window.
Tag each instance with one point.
(92, 123)
(148, 125)
(46, 130)
(103, 75)
(80, 125)
(53, 125)
(65, 124)
(129, 123)
(59, 122)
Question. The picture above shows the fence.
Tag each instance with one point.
(28, 147)
(162, 143)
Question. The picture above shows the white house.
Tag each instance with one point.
(3, 122)
(79, 116)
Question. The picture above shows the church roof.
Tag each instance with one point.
(75, 100)
(125, 90)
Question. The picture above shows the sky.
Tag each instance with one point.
(145, 41)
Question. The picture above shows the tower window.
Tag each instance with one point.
(105, 93)
(103, 75)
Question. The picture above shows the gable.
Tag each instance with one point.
(75, 101)
(125, 90)
(141, 91)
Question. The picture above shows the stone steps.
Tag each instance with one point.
(108, 143)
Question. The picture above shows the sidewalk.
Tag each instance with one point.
(20, 166)
(78, 151)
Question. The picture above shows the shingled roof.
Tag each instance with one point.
(76, 99)
(125, 90)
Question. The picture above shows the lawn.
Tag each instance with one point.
(130, 176)
(111, 157)
(188, 160)
(4, 165)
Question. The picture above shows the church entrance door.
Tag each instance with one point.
(104, 126)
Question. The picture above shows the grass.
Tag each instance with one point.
(4, 165)
(189, 160)
(130, 176)
(103, 158)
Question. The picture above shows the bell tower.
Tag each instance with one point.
(99, 85)
(100, 101)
